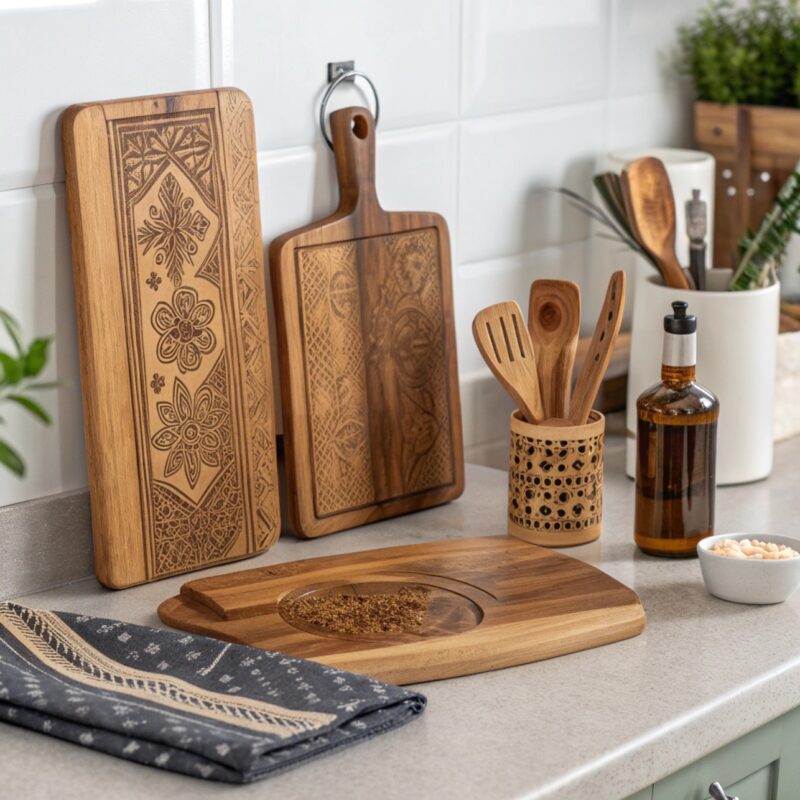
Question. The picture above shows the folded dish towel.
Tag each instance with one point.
(185, 703)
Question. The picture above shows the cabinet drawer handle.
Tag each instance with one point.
(718, 793)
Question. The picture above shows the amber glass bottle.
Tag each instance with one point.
(676, 444)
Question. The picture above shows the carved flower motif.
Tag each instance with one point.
(190, 432)
(153, 281)
(173, 229)
(183, 325)
(157, 384)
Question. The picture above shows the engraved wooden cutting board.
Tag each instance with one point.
(490, 602)
(175, 362)
(369, 381)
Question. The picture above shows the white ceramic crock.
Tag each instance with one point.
(737, 336)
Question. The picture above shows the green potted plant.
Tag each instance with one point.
(19, 370)
(744, 63)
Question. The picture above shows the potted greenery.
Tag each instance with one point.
(744, 62)
(19, 371)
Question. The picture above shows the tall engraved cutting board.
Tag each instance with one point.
(175, 361)
(369, 381)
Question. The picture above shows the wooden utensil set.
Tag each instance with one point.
(534, 363)
(642, 202)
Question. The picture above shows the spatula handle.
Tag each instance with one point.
(600, 351)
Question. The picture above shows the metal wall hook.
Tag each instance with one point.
(339, 72)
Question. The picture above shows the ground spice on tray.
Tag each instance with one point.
(403, 612)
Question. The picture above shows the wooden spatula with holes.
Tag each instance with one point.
(505, 344)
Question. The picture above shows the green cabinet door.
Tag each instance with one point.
(762, 765)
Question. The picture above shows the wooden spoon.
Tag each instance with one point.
(505, 345)
(600, 351)
(651, 212)
(554, 321)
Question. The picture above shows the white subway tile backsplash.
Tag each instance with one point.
(485, 104)
(650, 120)
(36, 277)
(54, 55)
(508, 164)
(485, 409)
(644, 49)
(281, 49)
(522, 54)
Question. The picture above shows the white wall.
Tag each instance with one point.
(483, 102)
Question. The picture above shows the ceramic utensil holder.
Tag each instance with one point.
(555, 481)
(737, 339)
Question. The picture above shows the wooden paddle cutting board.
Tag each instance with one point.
(175, 361)
(369, 381)
(491, 602)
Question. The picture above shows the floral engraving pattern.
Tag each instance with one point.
(183, 325)
(189, 145)
(154, 281)
(190, 432)
(173, 229)
(157, 384)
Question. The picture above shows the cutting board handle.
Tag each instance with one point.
(353, 134)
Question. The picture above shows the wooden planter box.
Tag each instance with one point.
(756, 149)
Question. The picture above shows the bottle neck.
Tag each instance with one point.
(679, 358)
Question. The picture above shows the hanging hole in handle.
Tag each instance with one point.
(360, 126)
(351, 75)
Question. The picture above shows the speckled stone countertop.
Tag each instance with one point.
(604, 722)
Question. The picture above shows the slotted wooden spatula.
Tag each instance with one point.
(600, 351)
(647, 192)
(505, 345)
(554, 320)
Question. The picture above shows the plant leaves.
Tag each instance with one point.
(36, 358)
(10, 458)
(13, 330)
(31, 406)
(13, 369)
(41, 385)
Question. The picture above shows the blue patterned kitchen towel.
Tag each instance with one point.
(185, 703)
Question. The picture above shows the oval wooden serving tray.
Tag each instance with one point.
(492, 602)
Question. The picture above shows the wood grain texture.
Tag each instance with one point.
(494, 602)
(505, 344)
(554, 322)
(175, 363)
(756, 149)
(600, 350)
(647, 193)
(369, 379)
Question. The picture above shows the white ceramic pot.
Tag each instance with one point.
(737, 337)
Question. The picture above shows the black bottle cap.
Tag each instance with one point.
(679, 321)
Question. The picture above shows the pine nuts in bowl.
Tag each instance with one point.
(745, 568)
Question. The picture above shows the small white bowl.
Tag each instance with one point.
(753, 581)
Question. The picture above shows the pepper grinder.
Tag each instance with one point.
(696, 228)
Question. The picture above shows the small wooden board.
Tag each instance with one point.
(369, 381)
(175, 360)
(492, 602)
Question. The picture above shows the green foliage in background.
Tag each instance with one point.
(746, 54)
(18, 373)
(761, 252)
